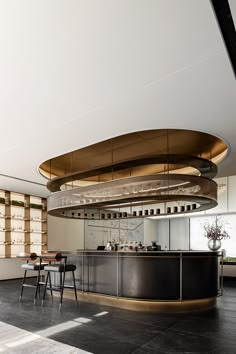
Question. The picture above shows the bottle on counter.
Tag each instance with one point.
(140, 246)
(109, 246)
(154, 246)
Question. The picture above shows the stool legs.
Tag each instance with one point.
(62, 282)
(60, 288)
(22, 286)
(45, 288)
(73, 274)
(48, 278)
(36, 285)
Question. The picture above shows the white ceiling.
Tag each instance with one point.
(76, 72)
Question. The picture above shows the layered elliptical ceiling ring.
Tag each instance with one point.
(147, 173)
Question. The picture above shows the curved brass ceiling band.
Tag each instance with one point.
(128, 191)
(205, 167)
(131, 146)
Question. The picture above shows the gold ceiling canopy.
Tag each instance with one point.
(131, 160)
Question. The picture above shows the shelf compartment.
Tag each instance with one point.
(17, 203)
(24, 223)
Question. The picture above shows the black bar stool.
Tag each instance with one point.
(32, 265)
(59, 265)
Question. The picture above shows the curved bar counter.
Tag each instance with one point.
(173, 281)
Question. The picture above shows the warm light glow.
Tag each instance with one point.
(148, 306)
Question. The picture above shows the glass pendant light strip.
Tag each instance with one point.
(128, 192)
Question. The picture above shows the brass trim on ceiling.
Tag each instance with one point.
(205, 167)
(183, 162)
(134, 146)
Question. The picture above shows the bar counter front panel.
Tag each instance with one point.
(154, 276)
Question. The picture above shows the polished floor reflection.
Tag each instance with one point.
(105, 330)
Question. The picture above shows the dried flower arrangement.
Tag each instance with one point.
(216, 230)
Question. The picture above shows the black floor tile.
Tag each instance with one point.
(224, 330)
(96, 343)
(143, 350)
(126, 330)
(173, 341)
(162, 320)
(121, 331)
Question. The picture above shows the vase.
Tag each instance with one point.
(213, 244)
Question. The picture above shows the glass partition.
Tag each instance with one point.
(99, 232)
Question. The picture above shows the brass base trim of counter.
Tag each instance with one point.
(144, 305)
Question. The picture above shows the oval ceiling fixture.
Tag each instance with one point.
(146, 173)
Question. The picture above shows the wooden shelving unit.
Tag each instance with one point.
(23, 224)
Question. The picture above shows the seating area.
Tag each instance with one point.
(36, 265)
(48, 266)
(58, 266)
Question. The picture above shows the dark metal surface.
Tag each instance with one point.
(102, 274)
(227, 28)
(200, 277)
(148, 275)
(149, 278)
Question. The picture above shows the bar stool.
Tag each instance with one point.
(59, 265)
(32, 266)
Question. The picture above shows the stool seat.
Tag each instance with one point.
(60, 268)
(33, 266)
(59, 265)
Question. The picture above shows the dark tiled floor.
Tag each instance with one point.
(121, 331)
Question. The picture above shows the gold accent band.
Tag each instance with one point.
(140, 174)
(144, 305)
